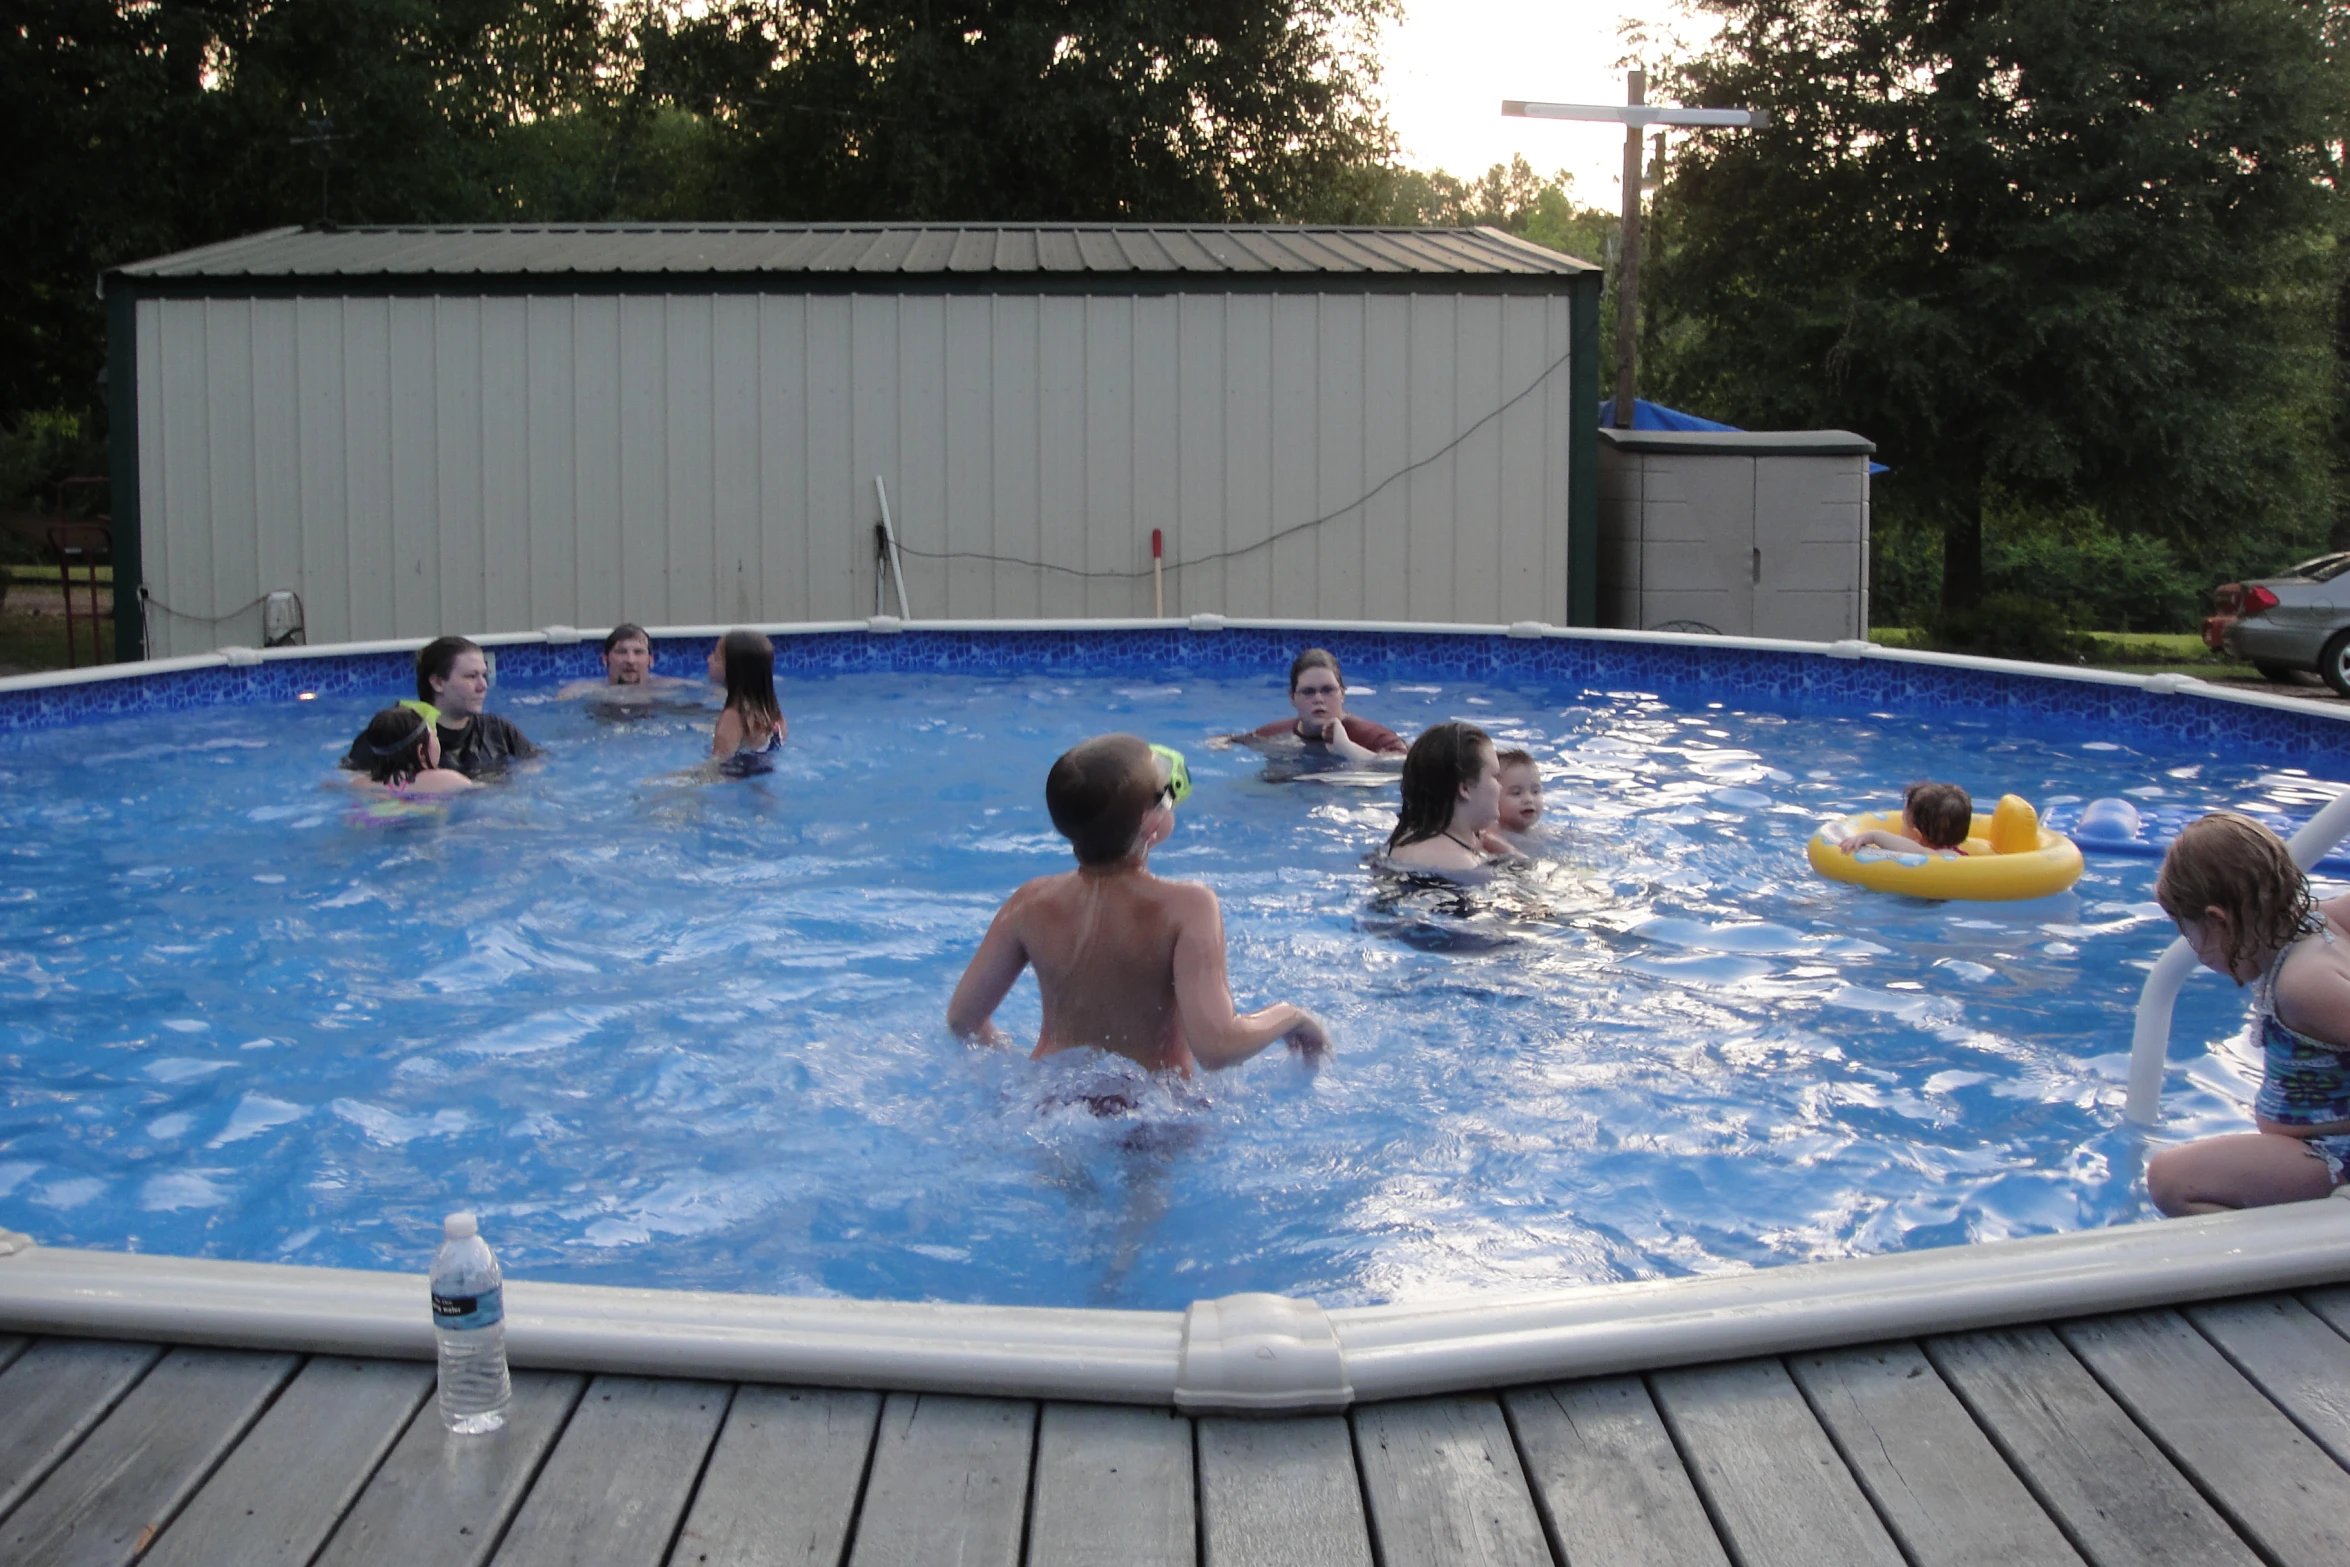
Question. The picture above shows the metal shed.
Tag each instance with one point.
(421, 430)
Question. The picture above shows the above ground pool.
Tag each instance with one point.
(662, 1032)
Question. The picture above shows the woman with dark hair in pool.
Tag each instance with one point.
(1318, 691)
(1451, 798)
(402, 752)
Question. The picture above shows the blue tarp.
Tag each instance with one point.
(1656, 416)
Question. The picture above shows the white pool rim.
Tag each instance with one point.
(1244, 1353)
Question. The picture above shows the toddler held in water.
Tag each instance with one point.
(1935, 820)
(1518, 813)
(1125, 962)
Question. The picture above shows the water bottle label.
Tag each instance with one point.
(458, 1312)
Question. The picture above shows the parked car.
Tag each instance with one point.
(2294, 621)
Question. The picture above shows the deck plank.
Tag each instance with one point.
(2280, 1490)
(1771, 1479)
(2292, 1356)
(52, 1396)
(105, 1502)
(949, 1483)
(2118, 1500)
(1443, 1485)
(1280, 1494)
(442, 1500)
(782, 1482)
(1604, 1473)
(620, 1477)
(289, 1482)
(1936, 1480)
(1113, 1489)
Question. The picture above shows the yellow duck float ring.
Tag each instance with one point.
(2008, 856)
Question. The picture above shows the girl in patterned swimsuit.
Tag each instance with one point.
(2246, 910)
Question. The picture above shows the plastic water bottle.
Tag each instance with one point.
(469, 1318)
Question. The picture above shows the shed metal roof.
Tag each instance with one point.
(1109, 255)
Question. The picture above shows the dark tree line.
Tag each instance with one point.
(135, 127)
(2050, 254)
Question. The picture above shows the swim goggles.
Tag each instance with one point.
(424, 710)
(1174, 772)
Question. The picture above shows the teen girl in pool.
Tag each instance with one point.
(1451, 797)
(1318, 692)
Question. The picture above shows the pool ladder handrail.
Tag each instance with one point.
(2150, 1036)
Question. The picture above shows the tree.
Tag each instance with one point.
(1006, 110)
(2046, 252)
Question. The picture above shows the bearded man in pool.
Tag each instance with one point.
(628, 668)
(452, 683)
(1125, 962)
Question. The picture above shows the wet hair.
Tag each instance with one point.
(2232, 863)
(392, 745)
(621, 633)
(1098, 794)
(1314, 658)
(1443, 759)
(1942, 813)
(436, 659)
(750, 679)
(1514, 757)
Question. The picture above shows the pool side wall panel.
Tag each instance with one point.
(1788, 678)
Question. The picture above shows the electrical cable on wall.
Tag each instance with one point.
(1270, 539)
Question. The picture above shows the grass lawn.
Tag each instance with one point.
(29, 643)
(46, 575)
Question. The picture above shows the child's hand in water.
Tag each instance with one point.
(1309, 1041)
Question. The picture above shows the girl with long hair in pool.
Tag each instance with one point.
(1451, 799)
(401, 750)
(751, 728)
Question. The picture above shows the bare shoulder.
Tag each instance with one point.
(2313, 990)
(1187, 900)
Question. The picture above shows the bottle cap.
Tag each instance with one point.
(460, 1226)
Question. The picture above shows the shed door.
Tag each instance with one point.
(1810, 526)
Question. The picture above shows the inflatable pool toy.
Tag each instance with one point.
(2118, 826)
(2008, 856)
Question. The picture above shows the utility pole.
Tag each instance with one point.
(1635, 115)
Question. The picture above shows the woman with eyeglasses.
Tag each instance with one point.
(1318, 691)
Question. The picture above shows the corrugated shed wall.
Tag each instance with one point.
(414, 465)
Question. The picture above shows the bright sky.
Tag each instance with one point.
(1449, 63)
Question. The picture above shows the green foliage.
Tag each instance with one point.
(2076, 252)
(2099, 578)
(138, 127)
(2006, 625)
(44, 447)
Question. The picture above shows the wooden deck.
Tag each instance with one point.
(2214, 1433)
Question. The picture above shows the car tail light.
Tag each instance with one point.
(2258, 598)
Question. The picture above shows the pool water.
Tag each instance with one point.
(665, 1033)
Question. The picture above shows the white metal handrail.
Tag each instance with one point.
(2150, 1036)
